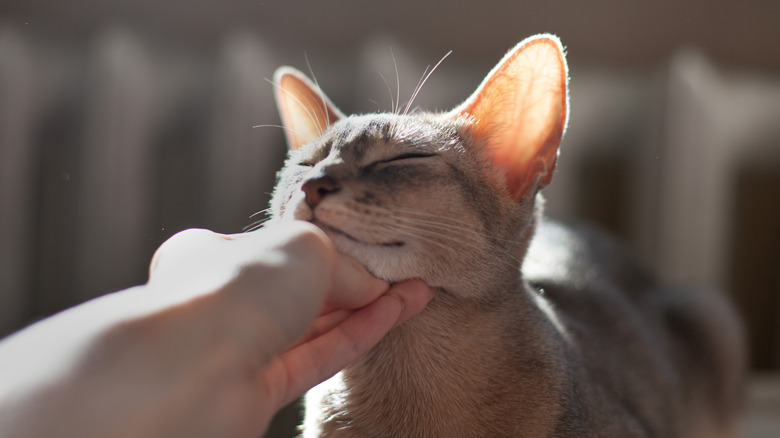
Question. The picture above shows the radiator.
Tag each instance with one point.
(110, 147)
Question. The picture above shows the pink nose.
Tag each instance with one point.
(316, 189)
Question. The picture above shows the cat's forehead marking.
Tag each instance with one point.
(359, 132)
(347, 138)
(356, 134)
(355, 139)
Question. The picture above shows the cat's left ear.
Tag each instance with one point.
(521, 111)
(305, 110)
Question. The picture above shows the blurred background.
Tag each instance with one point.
(123, 122)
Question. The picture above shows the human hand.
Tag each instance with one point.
(355, 311)
(204, 349)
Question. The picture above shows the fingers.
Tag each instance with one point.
(413, 303)
(201, 257)
(323, 324)
(280, 276)
(298, 237)
(415, 295)
(182, 251)
(285, 275)
(211, 258)
(353, 287)
(315, 361)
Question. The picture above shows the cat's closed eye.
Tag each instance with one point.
(401, 157)
(407, 156)
(397, 158)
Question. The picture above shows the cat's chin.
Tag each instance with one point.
(303, 212)
(341, 233)
(380, 259)
(385, 259)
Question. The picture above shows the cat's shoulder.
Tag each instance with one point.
(581, 253)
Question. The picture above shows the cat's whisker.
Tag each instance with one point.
(319, 90)
(440, 228)
(255, 225)
(425, 233)
(279, 126)
(319, 124)
(421, 234)
(413, 211)
(265, 210)
(414, 92)
(461, 233)
(397, 84)
(389, 91)
(260, 222)
(379, 107)
(438, 219)
(525, 306)
(456, 227)
(312, 114)
(425, 79)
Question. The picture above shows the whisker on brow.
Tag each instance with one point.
(423, 80)
(392, 102)
(319, 90)
(397, 84)
(285, 128)
(312, 115)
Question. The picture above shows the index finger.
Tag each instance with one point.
(353, 286)
(350, 286)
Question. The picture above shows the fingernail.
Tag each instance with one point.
(399, 298)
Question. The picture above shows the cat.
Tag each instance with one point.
(537, 329)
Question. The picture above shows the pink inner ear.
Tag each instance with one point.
(521, 110)
(305, 111)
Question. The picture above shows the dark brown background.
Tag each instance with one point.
(124, 122)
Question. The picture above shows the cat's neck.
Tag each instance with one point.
(455, 367)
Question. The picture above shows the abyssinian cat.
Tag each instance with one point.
(537, 329)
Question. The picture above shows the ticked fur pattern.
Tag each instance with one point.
(537, 329)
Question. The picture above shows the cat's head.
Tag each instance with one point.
(448, 197)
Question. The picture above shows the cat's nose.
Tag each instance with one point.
(316, 189)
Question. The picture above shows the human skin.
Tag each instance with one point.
(228, 329)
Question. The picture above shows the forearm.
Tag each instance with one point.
(206, 347)
(145, 363)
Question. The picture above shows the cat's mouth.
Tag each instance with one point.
(337, 231)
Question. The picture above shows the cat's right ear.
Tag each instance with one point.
(305, 110)
(521, 112)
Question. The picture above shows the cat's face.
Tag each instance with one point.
(408, 196)
(447, 198)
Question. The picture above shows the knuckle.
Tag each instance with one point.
(311, 240)
(182, 244)
(192, 235)
(185, 240)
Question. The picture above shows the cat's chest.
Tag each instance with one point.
(448, 373)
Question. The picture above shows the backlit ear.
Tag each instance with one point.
(305, 110)
(521, 110)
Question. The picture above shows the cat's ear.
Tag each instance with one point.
(521, 111)
(305, 110)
